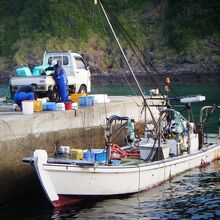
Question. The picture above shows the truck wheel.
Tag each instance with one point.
(83, 89)
(72, 89)
(53, 95)
(11, 93)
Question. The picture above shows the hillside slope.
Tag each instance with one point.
(170, 32)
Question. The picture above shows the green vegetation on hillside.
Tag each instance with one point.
(188, 21)
(160, 27)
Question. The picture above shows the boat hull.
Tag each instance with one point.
(60, 181)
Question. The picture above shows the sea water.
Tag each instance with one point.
(211, 92)
(192, 195)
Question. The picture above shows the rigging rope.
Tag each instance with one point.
(127, 63)
(125, 33)
(114, 56)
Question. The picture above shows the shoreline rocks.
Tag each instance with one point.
(184, 73)
(183, 78)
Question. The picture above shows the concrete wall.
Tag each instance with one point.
(21, 134)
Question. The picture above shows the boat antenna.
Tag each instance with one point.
(126, 60)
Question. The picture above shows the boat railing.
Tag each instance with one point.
(208, 111)
(204, 115)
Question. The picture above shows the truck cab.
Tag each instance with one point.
(78, 74)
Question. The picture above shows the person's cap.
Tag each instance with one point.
(54, 62)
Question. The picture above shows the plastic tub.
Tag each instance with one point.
(92, 100)
(74, 105)
(76, 154)
(23, 71)
(60, 106)
(38, 107)
(49, 106)
(82, 101)
(44, 106)
(75, 97)
(43, 100)
(68, 106)
(37, 70)
(28, 107)
(146, 149)
(88, 101)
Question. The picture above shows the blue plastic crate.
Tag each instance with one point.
(82, 101)
(88, 155)
(86, 100)
(100, 155)
(49, 106)
(90, 100)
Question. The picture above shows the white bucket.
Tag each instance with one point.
(64, 149)
(60, 106)
(27, 107)
(74, 105)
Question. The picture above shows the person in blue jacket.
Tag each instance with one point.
(60, 78)
(26, 92)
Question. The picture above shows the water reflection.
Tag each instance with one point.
(193, 195)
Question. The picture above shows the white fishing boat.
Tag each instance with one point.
(69, 181)
(170, 145)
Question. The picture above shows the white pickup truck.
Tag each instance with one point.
(79, 78)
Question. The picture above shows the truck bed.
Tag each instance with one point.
(41, 81)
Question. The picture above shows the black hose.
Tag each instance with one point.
(151, 152)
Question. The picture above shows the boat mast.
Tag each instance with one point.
(126, 60)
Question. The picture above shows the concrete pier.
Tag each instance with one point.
(83, 127)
